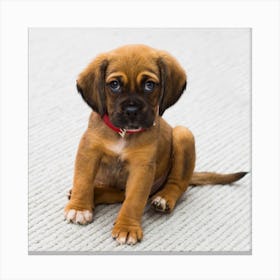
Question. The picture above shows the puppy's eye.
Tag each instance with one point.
(149, 86)
(115, 86)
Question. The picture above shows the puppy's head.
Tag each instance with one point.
(132, 84)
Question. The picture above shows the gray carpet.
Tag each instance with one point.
(216, 107)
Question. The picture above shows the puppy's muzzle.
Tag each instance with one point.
(131, 111)
(132, 115)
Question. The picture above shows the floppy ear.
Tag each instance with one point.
(91, 84)
(173, 80)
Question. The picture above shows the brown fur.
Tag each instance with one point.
(157, 162)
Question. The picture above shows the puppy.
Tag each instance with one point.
(129, 152)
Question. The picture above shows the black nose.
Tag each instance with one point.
(131, 110)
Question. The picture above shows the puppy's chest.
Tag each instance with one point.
(113, 168)
(116, 147)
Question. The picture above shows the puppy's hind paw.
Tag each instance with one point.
(161, 204)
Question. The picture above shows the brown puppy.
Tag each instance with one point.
(129, 152)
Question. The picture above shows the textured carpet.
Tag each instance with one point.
(216, 107)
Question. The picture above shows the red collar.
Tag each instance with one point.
(120, 131)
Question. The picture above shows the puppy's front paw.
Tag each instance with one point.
(76, 216)
(127, 234)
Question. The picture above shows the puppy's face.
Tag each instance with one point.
(132, 88)
(132, 84)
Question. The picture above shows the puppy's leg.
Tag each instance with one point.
(80, 207)
(127, 228)
(183, 163)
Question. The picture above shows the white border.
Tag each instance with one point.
(262, 16)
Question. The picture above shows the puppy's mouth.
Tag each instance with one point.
(128, 125)
(135, 125)
(132, 127)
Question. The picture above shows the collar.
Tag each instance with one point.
(120, 131)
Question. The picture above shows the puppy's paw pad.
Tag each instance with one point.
(78, 217)
(160, 204)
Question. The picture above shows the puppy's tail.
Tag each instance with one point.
(211, 178)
